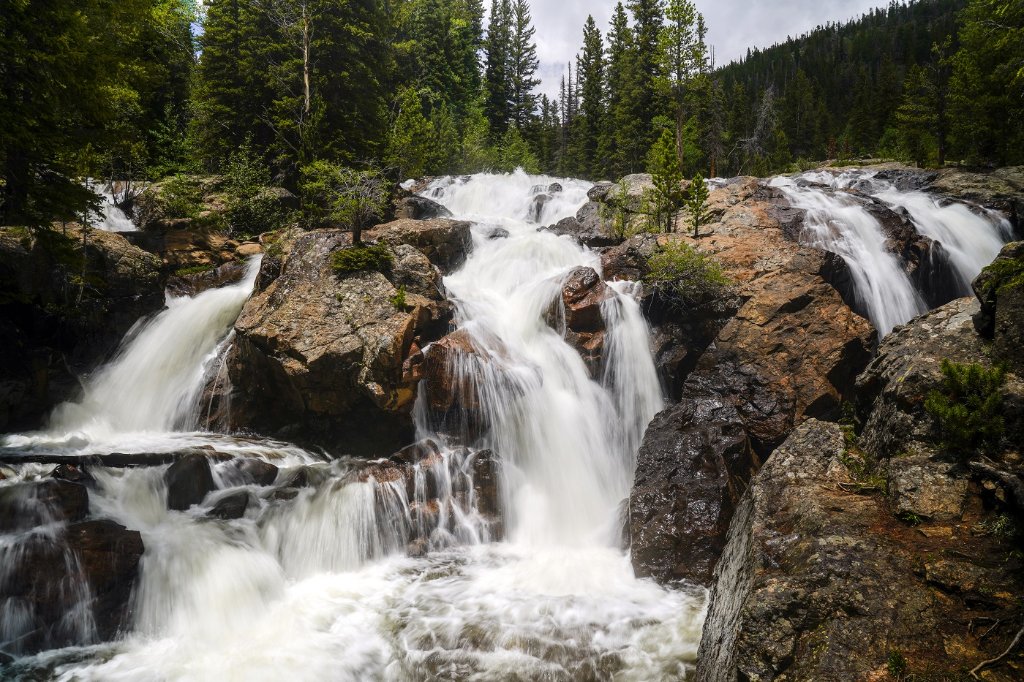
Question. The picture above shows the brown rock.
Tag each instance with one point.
(445, 242)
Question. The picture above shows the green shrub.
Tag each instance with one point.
(341, 196)
(361, 257)
(181, 197)
(684, 277)
(194, 270)
(896, 664)
(967, 408)
(697, 203)
(398, 300)
(251, 207)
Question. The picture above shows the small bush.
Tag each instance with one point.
(398, 300)
(683, 277)
(967, 410)
(361, 257)
(341, 196)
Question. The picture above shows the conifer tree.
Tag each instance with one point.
(590, 75)
(523, 63)
(619, 123)
(497, 78)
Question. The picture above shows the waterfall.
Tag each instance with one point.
(321, 581)
(154, 381)
(568, 441)
(971, 236)
(839, 223)
(110, 217)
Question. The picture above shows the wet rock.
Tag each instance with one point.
(231, 506)
(537, 207)
(188, 481)
(1000, 289)
(419, 208)
(892, 389)
(921, 487)
(303, 477)
(74, 587)
(249, 471)
(73, 473)
(496, 233)
(583, 295)
(322, 360)
(452, 368)
(445, 242)
(588, 226)
(192, 284)
(26, 505)
(554, 188)
(485, 467)
(692, 468)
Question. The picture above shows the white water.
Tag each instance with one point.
(839, 223)
(319, 586)
(111, 218)
(971, 236)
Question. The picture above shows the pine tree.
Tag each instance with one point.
(645, 73)
(497, 79)
(620, 125)
(683, 60)
(590, 74)
(523, 63)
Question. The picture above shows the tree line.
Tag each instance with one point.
(312, 91)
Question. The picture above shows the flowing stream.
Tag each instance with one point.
(319, 585)
(837, 220)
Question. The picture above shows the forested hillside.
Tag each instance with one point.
(314, 95)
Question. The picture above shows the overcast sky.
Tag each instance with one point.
(734, 25)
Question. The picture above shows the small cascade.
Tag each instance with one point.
(111, 217)
(839, 223)
(154, 381)
(971, 237)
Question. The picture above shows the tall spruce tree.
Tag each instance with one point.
(497, 79)
(645, 74)
(523, 63)
(590, 76)
(620, 125)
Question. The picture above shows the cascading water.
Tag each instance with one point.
(110, 217)
(316, 583)
(838, 221)
(971, 237)
(840, 224)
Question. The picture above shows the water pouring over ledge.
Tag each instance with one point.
(319, 587)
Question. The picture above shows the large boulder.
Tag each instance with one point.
(581, 316)
(820, 581)
(692, 468)
(188, 481)
(414, 207)
(55, 326)
(24, 506)
(334, 360)
(445, 242)
(793, 347)
(452, 369)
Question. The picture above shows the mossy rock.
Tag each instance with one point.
(1000, 288)
(361, 257)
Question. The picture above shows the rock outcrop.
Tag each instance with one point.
(1000, 289)
(692, 468)
(335, 360)
(819, 580)
(55, 325)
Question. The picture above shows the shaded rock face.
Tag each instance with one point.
(47, 334)
(692, 468)
(451, 372)
(818, 582)
(24, 506)
(1000, 289)
(188, 481)
(332, 360)
(591, 226)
